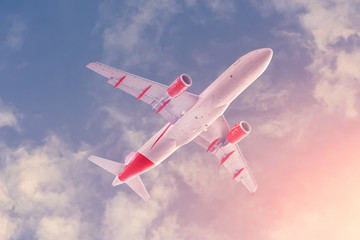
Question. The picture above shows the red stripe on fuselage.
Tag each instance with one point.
(161, 135)
(138, 165)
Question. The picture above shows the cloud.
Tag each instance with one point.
(287, 124)
(9, 117)
(216, 6)
(130, 133)
(52, 228)
(198, 174)
(316, 209)
(15, 36)
(337, 78)
(265, 95)
(8, 227)
(334, 49)
(220, 6)
(135, 34)
(171, 229)
(127, 216)
(37, 191)
(138, 32)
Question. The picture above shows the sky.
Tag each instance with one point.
(54, 113)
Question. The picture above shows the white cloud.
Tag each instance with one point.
(128, 132)
(338, 87)
(287, 124)
(337, 77)
(127, 216)
(220, 7)
(171, 229)
(36, 190)
(7, 227)
(136, 32)
(333, 69)
(197, 171)
(15, 36)
(53, 228)
(9, 117)
(264, 95)
(315, 211)
(276, 127)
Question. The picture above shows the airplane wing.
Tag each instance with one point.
(234, 160)
(146, 90)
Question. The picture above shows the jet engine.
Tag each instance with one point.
(179, 86)
(239, 131)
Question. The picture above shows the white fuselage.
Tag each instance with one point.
(212, 103)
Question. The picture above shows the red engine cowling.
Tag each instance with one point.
(238, 132)
(179, 86)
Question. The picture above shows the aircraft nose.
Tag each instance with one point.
(265, 55)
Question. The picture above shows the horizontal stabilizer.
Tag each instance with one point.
(113, 167)
(137, 185)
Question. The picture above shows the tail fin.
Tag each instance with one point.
(115, 168)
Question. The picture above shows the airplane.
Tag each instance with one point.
(190, 117)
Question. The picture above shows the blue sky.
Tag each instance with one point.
(54, 113)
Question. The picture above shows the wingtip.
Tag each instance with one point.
(93, 64)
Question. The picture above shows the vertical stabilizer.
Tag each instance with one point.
(137, 185)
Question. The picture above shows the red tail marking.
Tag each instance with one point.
(212, 144)
(160, 108)
(160, 135)
(139, 164)
(238, 173)
(226, 158)
(117, 84)
(142, 94)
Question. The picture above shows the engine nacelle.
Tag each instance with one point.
(179, 86)
(240, 131)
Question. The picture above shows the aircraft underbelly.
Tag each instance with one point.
(211, 104)
(172, 137)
